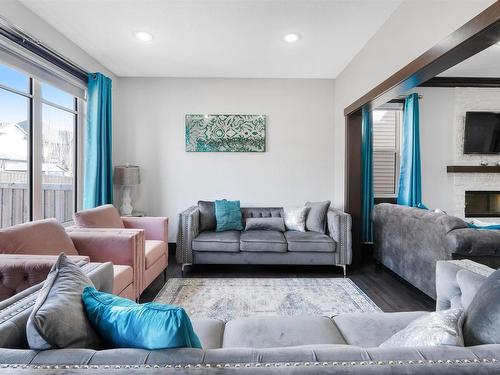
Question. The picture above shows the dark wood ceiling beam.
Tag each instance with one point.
(476, 35)
(461, 82)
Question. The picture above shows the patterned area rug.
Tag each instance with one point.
(229, 298)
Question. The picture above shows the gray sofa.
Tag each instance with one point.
(343, 344)
(195, 246)
(409, 241)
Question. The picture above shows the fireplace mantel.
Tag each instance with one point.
(473, 168)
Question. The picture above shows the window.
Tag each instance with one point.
(386, 146)
(38, 149)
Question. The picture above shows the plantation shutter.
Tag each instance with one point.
(385, 152)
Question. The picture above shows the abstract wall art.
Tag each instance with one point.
(225, 133)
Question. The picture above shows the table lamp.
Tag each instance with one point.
(126, 176)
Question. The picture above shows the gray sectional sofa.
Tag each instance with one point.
(409, 241)
(343, 344)
(198, 246)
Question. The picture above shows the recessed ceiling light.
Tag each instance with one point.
(291, 38)
(143, 36)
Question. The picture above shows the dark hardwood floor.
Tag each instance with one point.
(387, 290)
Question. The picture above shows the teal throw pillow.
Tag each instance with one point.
(228, 215)
(126, 324)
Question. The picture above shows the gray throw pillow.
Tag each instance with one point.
(58, 319)
(265, 223)
(295, 218)
(207, 215)
(434, 329)
(316, 216)
(482, 317)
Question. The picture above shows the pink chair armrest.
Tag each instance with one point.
(119, 246)
(156, 228)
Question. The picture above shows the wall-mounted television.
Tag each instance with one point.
(482, 133)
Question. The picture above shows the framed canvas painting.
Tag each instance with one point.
(225, 133)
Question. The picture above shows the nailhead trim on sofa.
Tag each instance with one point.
(257, 365)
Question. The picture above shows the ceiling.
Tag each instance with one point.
(484, 64)
(217, 38)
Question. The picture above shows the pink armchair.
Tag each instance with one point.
(48, 237)
(155, 241)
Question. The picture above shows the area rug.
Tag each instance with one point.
(229, 298)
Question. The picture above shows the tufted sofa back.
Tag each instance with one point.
(251, 212)
(19, 272)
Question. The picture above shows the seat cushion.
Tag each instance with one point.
(217, 241)
(123, 276)
(370, 330)
(27, 239)
(209, 331)
(153, 251)
(263, 240)
(309, 241)
(106, 216)
(280, 331)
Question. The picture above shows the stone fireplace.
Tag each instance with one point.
(482, 204)
(477, 195)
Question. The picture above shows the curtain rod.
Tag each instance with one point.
(404, 96)
(24, 39)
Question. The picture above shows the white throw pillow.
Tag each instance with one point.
(433, 329)
(295, 218)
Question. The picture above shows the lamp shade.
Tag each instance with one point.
(126, 175)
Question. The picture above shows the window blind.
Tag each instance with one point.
(24, 60)
(385, 152)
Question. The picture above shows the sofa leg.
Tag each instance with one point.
(184, 265)
(344, 269)
(165, 276)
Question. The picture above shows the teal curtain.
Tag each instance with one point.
(97, 182)
(367, 171)
(410, 180)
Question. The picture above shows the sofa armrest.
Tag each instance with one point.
(155, 228)
(474, 242)
(339, 228)
(118, 246)
(189, 224)
(457, 281)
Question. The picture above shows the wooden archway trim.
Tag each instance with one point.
(476, 35)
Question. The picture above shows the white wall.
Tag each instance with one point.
(415, 27)
(296, 167)
(437, 146)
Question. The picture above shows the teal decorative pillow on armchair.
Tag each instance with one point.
(126, 324)
(228, 215)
